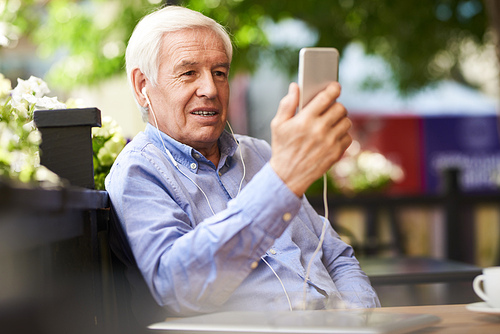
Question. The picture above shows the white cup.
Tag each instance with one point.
(491, 284)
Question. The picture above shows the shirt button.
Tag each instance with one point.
(220, 173)
(254, 264)
(287, 216)
(193, 165)
(196, 155)
(272, 251)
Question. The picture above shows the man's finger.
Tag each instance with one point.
(324, 99)
(289, 103)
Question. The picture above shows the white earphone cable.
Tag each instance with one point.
(170, 154)
(281, 282)
(320, 243)
(241, 156)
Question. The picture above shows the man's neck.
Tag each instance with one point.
(213, 155)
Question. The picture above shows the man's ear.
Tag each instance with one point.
(138, 80)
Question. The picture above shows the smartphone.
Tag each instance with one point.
(317, 68)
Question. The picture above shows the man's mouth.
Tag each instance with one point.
(204, 113)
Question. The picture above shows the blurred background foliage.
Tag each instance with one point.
(422, 40)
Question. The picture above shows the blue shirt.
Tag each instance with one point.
(196, 262)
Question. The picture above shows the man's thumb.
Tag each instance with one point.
(289, 103)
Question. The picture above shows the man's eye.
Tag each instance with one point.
(188, 73)
(220, 74)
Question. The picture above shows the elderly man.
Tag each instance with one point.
(216, 221)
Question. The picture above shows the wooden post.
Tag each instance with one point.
(66, 146)
(459, 220)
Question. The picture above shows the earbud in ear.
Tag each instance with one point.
(143, 91)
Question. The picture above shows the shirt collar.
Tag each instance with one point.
(186, 155)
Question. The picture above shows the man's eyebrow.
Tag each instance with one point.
(225, 65)
(186, 63)
(189, 63)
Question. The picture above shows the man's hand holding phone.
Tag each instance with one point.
(307, 144)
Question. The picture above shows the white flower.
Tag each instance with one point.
(30, 126)
(33, 86)
(7, 136)
(18, 162)
(345, 167)
(397, 173)
(9, 33)
(31, 93)
(35, 137)
(362, 170)
(48, 103)
(5, 86)
(21, 159)
(20, 105)
(373, 162)
(109, 128)
(29, 96)
(5, 156)
(46, 175)
(108, 153)
(36, 158)
(74, 103)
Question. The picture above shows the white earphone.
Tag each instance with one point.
(144, 93)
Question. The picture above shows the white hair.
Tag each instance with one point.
(144, 45)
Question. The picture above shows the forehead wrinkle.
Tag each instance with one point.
(199, 36)
(194, 39)
(186, 63)
(181, 51)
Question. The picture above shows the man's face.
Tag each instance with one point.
(191, 98)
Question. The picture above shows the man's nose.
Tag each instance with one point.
(207, 87)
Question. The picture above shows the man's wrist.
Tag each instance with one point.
(298, 185)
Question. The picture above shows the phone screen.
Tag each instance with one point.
(317, 68)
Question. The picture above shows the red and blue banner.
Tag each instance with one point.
(425, 146)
